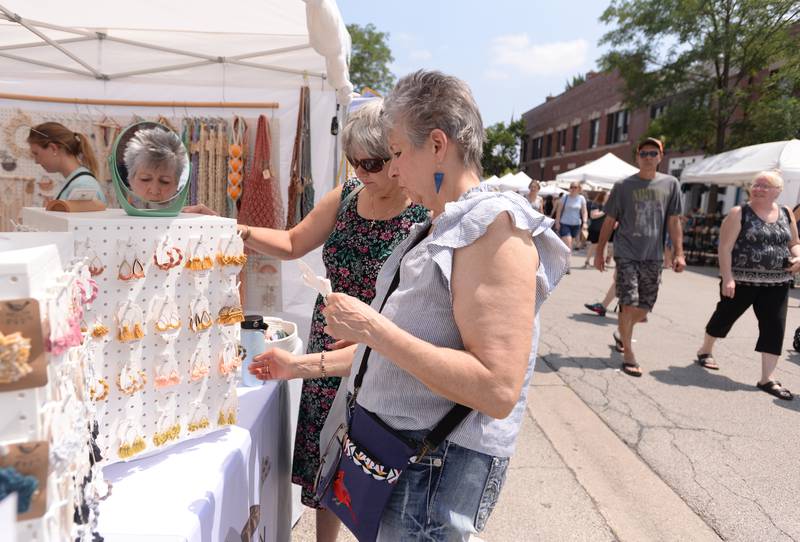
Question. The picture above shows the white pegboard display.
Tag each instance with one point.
(167, 367)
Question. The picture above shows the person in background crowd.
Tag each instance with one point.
(533, 196)
(357, 239)
(60, 150)
(596, 216)
(643, 206)
(759, 250)
(571, 216)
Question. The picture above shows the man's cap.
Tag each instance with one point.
(651, 141)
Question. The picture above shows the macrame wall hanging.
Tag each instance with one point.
(301, 185)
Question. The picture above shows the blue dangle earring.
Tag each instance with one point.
(438, 178)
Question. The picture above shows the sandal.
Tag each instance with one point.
(774, 388)
(632, 369)
(706, 361)
(618, 346)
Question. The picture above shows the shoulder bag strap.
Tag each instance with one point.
(349, 197)
(392, 287)
(81, 174)
(455, 415)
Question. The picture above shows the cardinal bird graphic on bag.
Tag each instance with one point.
(342, 495)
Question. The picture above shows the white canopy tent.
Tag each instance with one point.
(114, 54)
(599, 174)
(515, 182)
(739, 166)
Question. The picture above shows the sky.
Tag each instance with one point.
(512, 53)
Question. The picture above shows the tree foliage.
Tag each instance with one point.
(575, 81)
(370, 58)
(500, 149)
(707, 59)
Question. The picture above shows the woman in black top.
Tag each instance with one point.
(759, 250)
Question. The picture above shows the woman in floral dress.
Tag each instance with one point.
(360, 223)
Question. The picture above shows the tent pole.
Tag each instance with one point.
(42, 44)
(46, 64)
(140, 103)
(19, 20)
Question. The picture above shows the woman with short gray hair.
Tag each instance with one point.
(155, 159)
(454, 322)
(358, 224)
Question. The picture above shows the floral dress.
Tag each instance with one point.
(353, 255)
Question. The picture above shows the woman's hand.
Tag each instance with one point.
(349, 319)
(794, 264)
(728, 288)
(275, 364)
(199, 209)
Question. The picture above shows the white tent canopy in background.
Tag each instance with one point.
(515, 182)
(739, 166)
(151, 50)
(600, 173)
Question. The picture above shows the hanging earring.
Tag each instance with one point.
(125, 270)
(438, 178)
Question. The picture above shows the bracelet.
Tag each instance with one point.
(246, 232)
(322, 365)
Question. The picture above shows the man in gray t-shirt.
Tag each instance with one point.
(645, 206)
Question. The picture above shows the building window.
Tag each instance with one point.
(594, 133)
(562, 137)
(549, 149)
(524, 149)
(657, 110)
(576, 135)
(617, 127)
(536, 148)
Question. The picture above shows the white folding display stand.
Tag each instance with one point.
(117, 240)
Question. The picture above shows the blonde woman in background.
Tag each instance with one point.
(60, 150)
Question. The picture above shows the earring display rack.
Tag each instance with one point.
(161, 386)
(49, 425)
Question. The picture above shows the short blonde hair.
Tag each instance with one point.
(772, 176)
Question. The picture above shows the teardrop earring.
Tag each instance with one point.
(438, 178)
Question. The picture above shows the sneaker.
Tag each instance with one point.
(596, 308)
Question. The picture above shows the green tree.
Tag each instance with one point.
(706, 58)
(370, 58)
(575, 81)
(500, 154)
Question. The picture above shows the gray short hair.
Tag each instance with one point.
(427, 100)
(365, 131)
(155, 147)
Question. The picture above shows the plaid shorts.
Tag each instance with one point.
(637, 282)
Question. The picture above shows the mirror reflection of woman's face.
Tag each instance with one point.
(155, 184)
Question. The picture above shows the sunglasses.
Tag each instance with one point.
(370, 165)
(648, 154)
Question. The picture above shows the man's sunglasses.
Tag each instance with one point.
(648, 154)
(370, 165)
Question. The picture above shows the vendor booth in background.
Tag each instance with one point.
(715, 184)
(252, 91)
(600, 174)
(514, 182)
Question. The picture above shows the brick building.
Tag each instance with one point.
(584, 123)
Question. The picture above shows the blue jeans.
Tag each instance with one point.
(568, 230)
(448, 496)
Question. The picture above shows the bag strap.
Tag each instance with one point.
(349, 197)
(64, 188)
(455, 415)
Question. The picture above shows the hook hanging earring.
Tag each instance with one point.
(438, 178)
